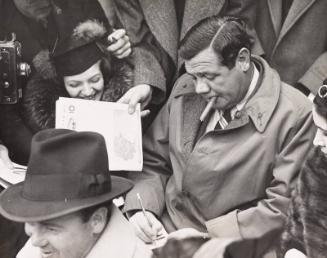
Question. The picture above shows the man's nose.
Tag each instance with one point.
(319, 139)
(201, 86)
(36, 235)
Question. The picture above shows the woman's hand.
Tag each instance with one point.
(141, 93)
(120, 45)
(4, 157)
(146, 228)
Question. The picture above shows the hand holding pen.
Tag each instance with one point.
(146, 225)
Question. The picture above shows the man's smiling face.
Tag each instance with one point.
(64, 237)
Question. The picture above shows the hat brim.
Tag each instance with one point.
(14, 207)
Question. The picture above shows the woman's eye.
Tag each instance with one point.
(73, 85)
(95, 79)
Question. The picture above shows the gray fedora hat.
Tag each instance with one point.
(67, 171)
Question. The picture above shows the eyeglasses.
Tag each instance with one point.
(322, 92)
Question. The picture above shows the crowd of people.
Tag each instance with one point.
(234, 119)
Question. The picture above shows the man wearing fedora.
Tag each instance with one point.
(66, 200)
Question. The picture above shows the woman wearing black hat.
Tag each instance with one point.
(306, 228)
(83, 68)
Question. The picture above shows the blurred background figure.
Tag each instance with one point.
(293, 35)
(306, 228)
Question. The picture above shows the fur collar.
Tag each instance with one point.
(40, 95)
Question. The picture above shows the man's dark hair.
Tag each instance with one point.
(86, 214)
(226, 35)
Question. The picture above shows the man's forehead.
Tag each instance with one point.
(62, 220)
(204, 60)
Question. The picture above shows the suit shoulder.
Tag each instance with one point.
(295, 99)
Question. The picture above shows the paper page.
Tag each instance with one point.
(11, 176)
(122, 131)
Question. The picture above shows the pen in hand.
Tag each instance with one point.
(144, 213)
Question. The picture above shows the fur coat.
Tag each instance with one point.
(39, 98)
(306, 227)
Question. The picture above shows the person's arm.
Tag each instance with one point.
(315, 75)
(269, 213)
(150, 184)
(4, 156)
(15, 134)
(293, 238)
(153, 66)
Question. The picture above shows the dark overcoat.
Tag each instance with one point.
(297, 48)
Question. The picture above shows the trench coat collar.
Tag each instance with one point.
(194, 12)
(259, 108)
(118, 239)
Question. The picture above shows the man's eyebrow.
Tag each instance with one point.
(50, 224)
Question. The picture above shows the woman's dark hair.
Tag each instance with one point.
(106, 67)
(226, 35)
(180, 248)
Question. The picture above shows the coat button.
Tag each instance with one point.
(238, 114)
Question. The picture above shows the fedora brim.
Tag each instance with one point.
(14, 207)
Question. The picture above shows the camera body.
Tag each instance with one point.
(12, 71)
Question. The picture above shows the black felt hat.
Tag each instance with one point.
(67, 172)
(80, 50)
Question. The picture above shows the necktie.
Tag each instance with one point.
(224, 120)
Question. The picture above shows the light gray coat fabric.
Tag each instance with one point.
(233, 182)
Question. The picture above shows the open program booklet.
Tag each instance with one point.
(11, 176)
(122, 131)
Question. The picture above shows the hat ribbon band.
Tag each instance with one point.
(57, 187)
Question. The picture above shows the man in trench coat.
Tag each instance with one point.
(230, 174)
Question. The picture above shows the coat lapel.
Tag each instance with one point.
(275, 9)
(193, 106)
(161, 22)
(194, 12)
(298, 8)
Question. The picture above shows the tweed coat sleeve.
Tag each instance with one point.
(316, 73)
(269, 213)
(152, 64)
(151, 182)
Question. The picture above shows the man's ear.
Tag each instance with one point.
(243, 59)
(99, 220)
